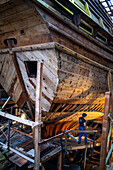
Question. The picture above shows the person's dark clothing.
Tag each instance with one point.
(82, 127)
(81, 121)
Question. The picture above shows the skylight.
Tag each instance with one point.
(108, 5)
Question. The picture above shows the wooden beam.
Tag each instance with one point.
(64, 133)
(81, 146)
(85, 59)
(37, 130)
(105, 130)
(22, 83)
(60, 162)
(30, 47)
(74, 40)
(16, 130)
(84, 131)
(6, 102)
(111, 90)
(18, 119)
(85, 154)
(54, 137)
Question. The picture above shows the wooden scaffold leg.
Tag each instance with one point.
(105, 130)
(37, 130)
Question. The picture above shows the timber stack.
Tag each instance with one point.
(74, 42)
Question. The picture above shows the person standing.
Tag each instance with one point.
(82, 126)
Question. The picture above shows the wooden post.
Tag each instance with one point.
(111, 105)
(37, 130)
(85, 154)
(60, 161)
(111, 90)
(105, 130)
(65, 144)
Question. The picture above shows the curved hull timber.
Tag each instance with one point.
(75, 68)
(67, 81)
(9, 77)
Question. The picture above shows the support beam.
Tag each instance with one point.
(81, 57)
(44, 46)
(54, 137)
(111, 90)
(18, 119)
(105, 130)
(60, 162)
(37, 130)
(6, 102)
(85, 154)
(14, 58)
(8, 138)
(78, 42)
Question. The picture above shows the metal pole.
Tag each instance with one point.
(6, 102)
(8, 144)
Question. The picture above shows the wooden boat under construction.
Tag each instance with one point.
(73, 42)
(75, 64)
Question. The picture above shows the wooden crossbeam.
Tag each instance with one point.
(84, 131)
(30, 47)
(87, 60)
(18, 119)
(66, 132)
(54, 137)
(82, 146)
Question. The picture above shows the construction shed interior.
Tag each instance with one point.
(56, 64)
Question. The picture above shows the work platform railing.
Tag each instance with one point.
(22, 121)
(34, 125)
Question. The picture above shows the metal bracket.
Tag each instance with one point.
(37, 124)
(109, 115)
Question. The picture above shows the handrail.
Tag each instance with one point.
(18, 119)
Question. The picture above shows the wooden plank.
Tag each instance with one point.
(18, 119)
(83, 58)
(105, 130)
(51, 154)
(37, 130)
(78, 42)
(54, 137)
(18, 160)
(58, 107)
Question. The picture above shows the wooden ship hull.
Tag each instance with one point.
(75, 64)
